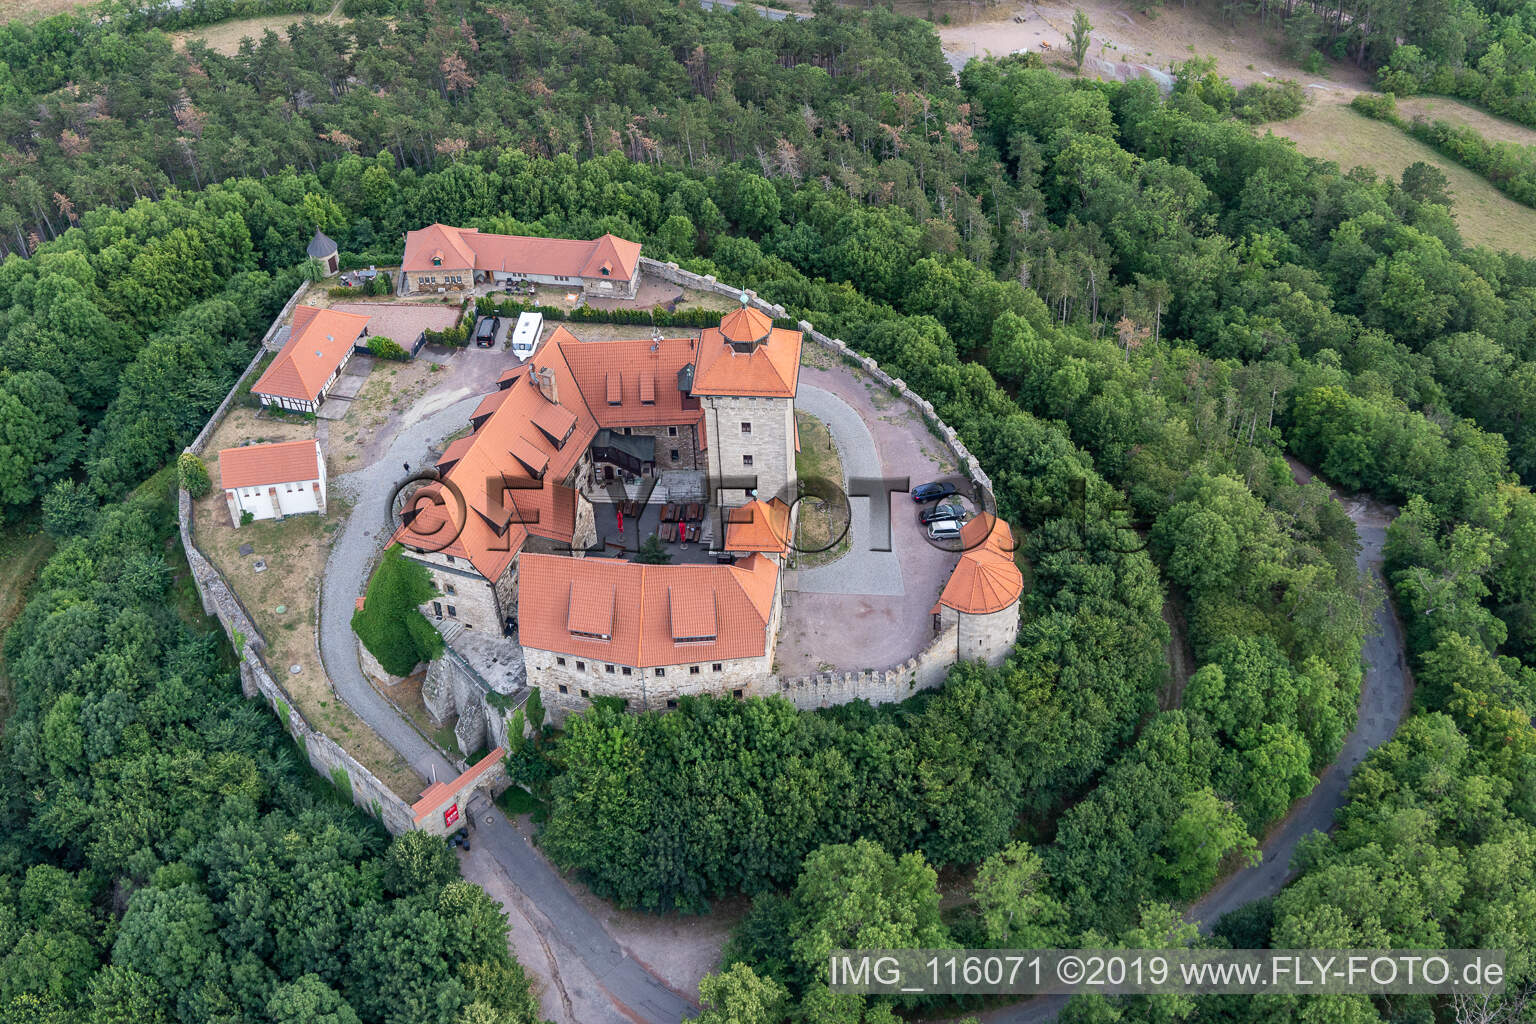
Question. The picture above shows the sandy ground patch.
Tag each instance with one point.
(1486, 216)
(390, 389)
(1244, 51)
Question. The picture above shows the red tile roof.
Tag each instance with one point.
(319, 343)
(468, 248)
(454, 452)
(633, 383)
(758, 526)
(519, 434)
(652, 607)
(437, 241)
(258, 465)
(432, 798)
(487, 521)
(745, 325)
(770, 370)
(986, 579)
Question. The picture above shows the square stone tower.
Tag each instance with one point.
(745, 377)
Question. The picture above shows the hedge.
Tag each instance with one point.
(654, 317)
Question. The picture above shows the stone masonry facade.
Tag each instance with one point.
(751, 437)
(568, 684)
(682, 439)
(466, 596)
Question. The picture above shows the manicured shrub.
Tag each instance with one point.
(387, 348)
(193, 475)
(390, 623)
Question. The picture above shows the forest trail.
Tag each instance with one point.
(1384, 699)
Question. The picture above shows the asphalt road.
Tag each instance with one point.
(1384, 698)
(635, 994)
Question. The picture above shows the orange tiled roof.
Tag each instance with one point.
(489, 404)
(437, 241)
(319, 343)
(454, 452)
(758, 526)
(470, 249)
(770, 370)
(257, 465)
(986, 578)
(745, 324)
(490, 527)
(432, 797)
(652, 608)
(633, 383)
(597, 384)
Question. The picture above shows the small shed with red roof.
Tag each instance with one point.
(271, 481)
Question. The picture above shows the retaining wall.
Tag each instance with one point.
(967, 462)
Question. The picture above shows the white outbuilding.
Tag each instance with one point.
(271, 481)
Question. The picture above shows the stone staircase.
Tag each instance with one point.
(450, 628)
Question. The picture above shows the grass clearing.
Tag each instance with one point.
(1490, 126)
(294, 550)
(1485, 215)
(821, 535)
(36, 10)
(226, 36)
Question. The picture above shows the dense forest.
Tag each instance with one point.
(1107, 292)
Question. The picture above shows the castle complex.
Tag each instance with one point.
(535, 526)
(508, 531)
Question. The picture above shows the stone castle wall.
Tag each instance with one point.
(269, 340)
(926, 670)
(328, 758)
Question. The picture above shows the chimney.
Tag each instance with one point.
(544, 377)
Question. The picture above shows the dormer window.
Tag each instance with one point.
(437, 261)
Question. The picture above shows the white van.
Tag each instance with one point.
(944, 529)
(525, 336)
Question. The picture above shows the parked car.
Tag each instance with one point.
(486, 337)
(944, 529)
(943, 513)
(932, 491)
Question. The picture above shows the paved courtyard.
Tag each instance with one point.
(870, 608)
(613, 542)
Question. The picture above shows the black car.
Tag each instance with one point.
(932, 491)
(943, 513)
(487, 334)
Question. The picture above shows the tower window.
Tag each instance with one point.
(746, 460)
(746, 428)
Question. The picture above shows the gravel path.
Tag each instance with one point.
(626, 992)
